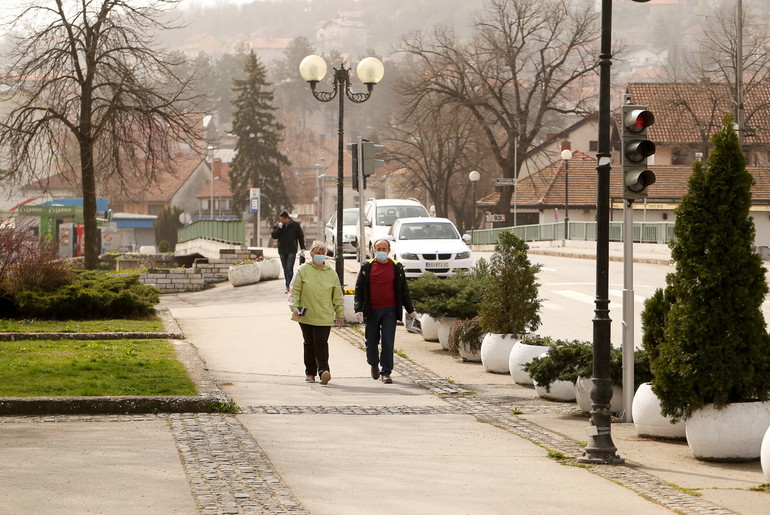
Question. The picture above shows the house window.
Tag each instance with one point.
(593, 146)
(683, 155)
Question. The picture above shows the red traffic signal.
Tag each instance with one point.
(637, 120)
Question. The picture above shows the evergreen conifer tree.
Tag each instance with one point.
(715, 347)
(167, 224)
(258, 162)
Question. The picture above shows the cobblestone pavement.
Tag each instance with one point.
(230, 473)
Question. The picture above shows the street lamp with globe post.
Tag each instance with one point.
(369, 71)
(474, 177)
(566, 155)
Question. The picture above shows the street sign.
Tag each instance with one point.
(495, 218)
(505, 181)
(48, 210)
(254, 200)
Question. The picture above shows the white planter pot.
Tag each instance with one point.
(350, 313)
(495, 351)
(583, 395)
(648, 419)
(733, 433)
(521, 354)
(241, 275)
(271, 269)
(765, 455)
(560, 391)
(444, 326)
(475, 357)
(429, 328)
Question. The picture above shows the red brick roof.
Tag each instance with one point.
(709, 102)
(544, 189)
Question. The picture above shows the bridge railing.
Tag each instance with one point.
(227, 231)
(643, 232)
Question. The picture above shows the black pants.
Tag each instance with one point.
(316, 346)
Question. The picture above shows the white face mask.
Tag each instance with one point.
(319, 259)
(380, 255)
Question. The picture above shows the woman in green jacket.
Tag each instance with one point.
(316, 303)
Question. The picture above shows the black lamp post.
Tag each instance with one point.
(600, 448)
(370, 72)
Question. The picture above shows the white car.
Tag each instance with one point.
(349, 221)
(379, 215)
(429, 245)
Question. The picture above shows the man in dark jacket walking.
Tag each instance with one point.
(289, 234)
(381, 294)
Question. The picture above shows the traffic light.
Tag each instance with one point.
(354, 153)
(636, 149)
(368, 162)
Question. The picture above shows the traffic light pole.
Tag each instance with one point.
(361, 247)
(600, 448)
(628, 310)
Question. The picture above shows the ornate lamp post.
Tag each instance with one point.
(566, 155)
(369, 71)
(474, 177)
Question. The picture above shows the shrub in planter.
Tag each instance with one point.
(456, 296)
(510, 303)
(714, 347)
(466, 336)
(563, 362)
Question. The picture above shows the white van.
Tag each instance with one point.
(379, 215)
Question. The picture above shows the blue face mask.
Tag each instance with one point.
(319, 259)
(380, 256)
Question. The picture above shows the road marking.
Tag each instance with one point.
(619, 293)
(583, 297)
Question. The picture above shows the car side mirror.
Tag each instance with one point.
(329, 225)
(368, 223)
(354, 243)
(467, 238)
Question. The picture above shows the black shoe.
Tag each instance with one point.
(387, 379)
(375, 371)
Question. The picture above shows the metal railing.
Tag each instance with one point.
(227, 231)
(644, 232)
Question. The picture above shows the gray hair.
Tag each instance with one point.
(319, 247)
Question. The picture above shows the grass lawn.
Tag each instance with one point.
(81, 326)
(91, 368)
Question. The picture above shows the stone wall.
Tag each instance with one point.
(204, 271)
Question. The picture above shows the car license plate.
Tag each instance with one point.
(436, 264)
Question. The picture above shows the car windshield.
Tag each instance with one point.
(428, 231)
(350, 218)
(386, 215)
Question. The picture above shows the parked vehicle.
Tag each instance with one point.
(349, 221)
(430, 245)
(379, 215)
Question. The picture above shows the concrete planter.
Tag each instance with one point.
(521, 354)
(583, 395)
(495, 351)
(560, 391)
(350, 313)
(429, 328)
(241, 275)
(271, 269)
(465, 354)
(765, 455)
(444, 326)
(648, 419)
(734, 433)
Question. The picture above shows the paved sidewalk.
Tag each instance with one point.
(442, 439)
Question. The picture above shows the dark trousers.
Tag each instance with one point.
(381, 328)
(316, 346)
(287, 262)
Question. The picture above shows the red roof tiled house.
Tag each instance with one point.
(686, 115)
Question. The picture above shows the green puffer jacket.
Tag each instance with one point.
(319, 291)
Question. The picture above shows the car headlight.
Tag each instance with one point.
(464, 255)
(409, 255)
(349, 236)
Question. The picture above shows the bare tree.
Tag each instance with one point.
(90, 77)
(527, 59)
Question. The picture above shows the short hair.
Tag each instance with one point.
(383, 239)
(318, 247)
(284, 214)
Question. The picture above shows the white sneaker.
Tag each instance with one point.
(325, 376)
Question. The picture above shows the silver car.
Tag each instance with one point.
(349, 221)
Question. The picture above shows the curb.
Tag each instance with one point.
(210, 398)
